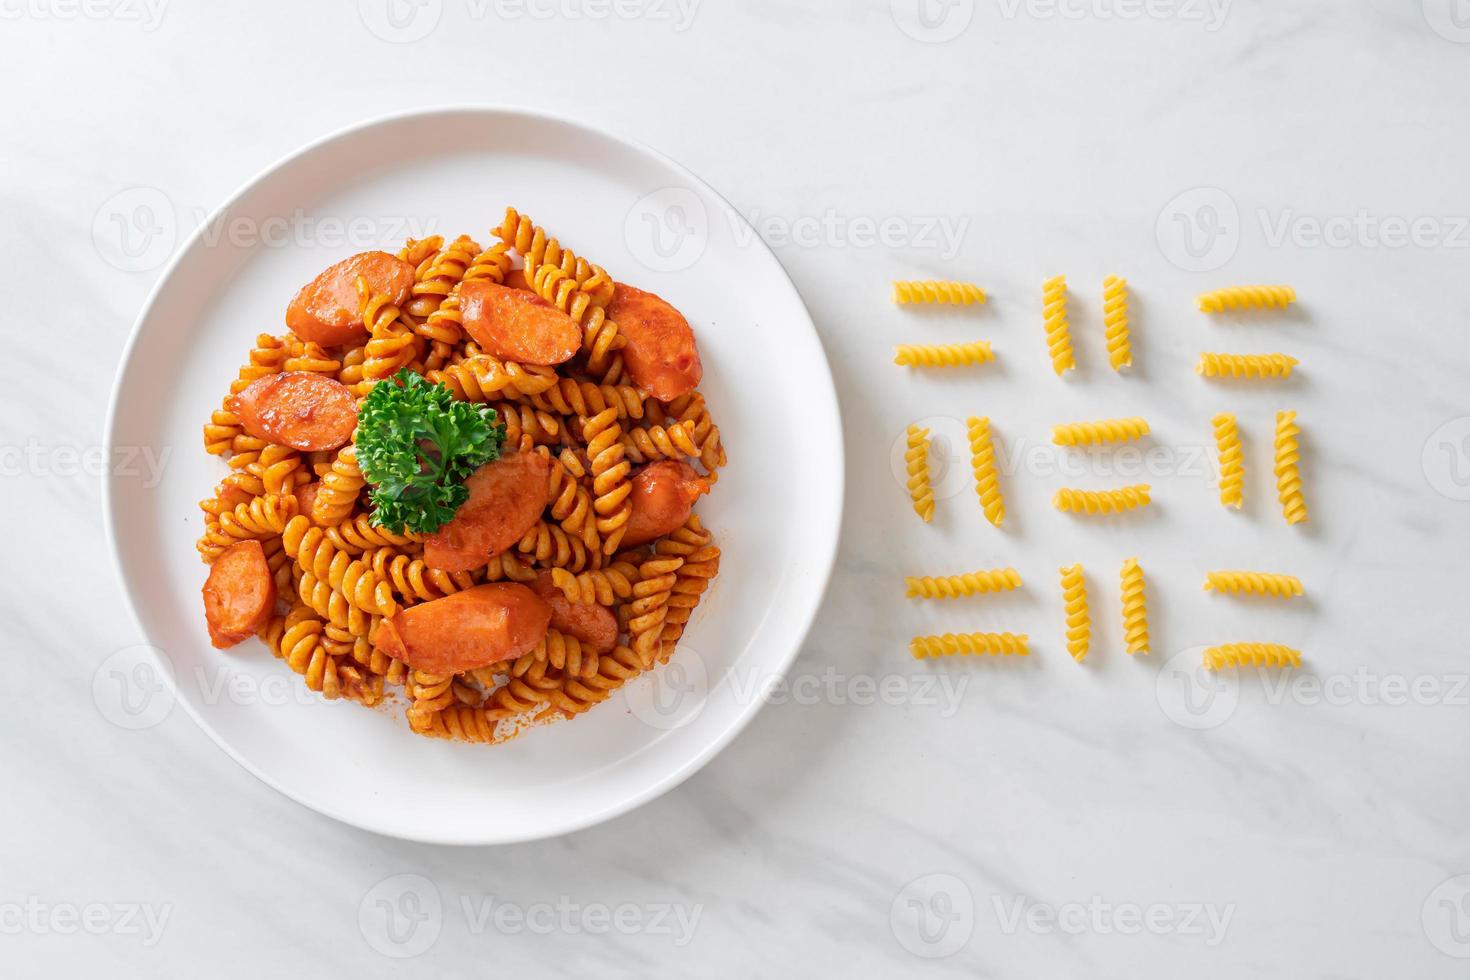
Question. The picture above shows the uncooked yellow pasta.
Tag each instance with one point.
(1074, 600)
(916, 459)
(952, 586)
(937, 291)
(1106, 430)
(943, 355)
(1135, 608)
(1247, 297)
(1254, 366)
(1232, 465)
(1288, 474)
(987, 480)
(1251, 655)
(1054, 318)
(1076, 501)
(970, 644)
(1254, 583)
(1115, 322)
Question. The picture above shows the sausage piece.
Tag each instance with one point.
(594, 625)
(325, 310)
(516, 325)
(506, 499)
(663, 497)
(466, 630)
(660, 354)
(299, 409)
(239, 595)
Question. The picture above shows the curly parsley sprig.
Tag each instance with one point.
(417, 445)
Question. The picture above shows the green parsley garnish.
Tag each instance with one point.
(417, 445)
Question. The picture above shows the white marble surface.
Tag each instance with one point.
(1082, 821)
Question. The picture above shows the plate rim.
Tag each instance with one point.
(823, 394)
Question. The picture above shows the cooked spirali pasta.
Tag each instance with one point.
(1106, 430)
(1254, 366)
(336, 498)
(1115, 322)
(647, 443)
(603, 586)
(937, 291)
(1075, 501)
(971, 583)
(1135, 607)
(1251, 655)
(982, 461)
(1079, 623)
(1254, 583)
(1054, 319)
(1288, 472)
(970, 644)
(1232, 462)
(1246, 297)
(943, 355)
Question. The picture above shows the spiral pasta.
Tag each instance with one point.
(692, 408)
(1075, 501)
(916, 459)
(538, 249)
(1254, 583)
(1054, 318)
(1252, 655)
(982, 461)
(600, 335)
(970, 644)
(1115, 322)
(648, 611)
(1091, 433)
(1232, 465)
(937, 291)
(1254, 366)
(1135, 608)
(392, 344)
(603, 586)
(610, 470)
(1288, 473)
(337, 496)
(953, 586)
(258, 518)
(943, 355)
(1247, 297)
(646, 444)
(1079, 624)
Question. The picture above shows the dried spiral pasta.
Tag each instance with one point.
(1288, 472)
(1071, 500)
(916, 460)
(937, 291)
(1247, 297)
(952, 586)
(1232, 464)
(982, 461)
(1254, 583)
(1253, 366)
(970, 644)
(943, 355)
(1079, 623)
(1106, 430)
(1115, 322)
(1054, 319)
(1135, 607)
(1251, 655)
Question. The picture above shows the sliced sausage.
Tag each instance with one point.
(660, 354)
(299, 409)
(506, 499)
(663, 497)
(239, 595)
(516, 325)
(594, 625)
(326, 309)
(466, 630)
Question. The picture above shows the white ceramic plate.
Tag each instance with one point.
(775, 511)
